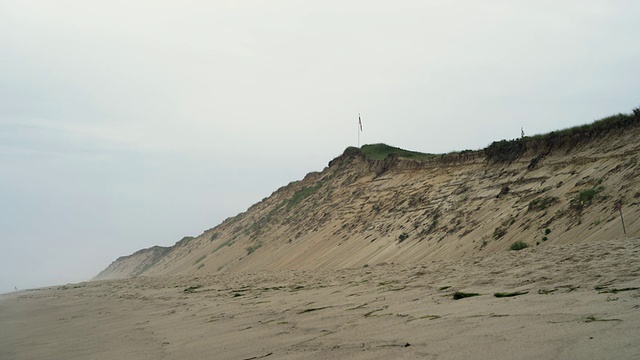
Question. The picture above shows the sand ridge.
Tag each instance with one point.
(577, 301)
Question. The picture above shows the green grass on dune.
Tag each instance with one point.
(509, 150)
(618, 121)
(381, 151)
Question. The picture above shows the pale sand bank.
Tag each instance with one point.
(379, 312)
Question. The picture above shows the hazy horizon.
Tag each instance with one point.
(128, 125)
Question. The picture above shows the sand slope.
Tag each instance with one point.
(582, 301)
(357, 211)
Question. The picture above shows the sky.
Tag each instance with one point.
(128, 124)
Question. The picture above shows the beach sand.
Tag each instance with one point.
(577, 301)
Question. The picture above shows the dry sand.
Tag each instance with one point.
(582, 301)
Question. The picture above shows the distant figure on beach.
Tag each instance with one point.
(522, 132)
(15, 287)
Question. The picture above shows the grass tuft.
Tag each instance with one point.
(302, 194)
(254, 247)
(461, 295)
(585, 198)
(519, 245)
(200, 259)
(541, 203)
(192, 289)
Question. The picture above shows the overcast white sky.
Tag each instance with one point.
(126, 124)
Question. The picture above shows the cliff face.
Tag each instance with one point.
(561, 188)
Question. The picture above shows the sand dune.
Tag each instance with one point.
(577, 301)
(361, 211)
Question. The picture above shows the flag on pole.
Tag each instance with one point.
(359, 128)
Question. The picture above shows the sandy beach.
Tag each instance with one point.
(561, 302)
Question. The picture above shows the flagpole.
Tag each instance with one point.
(358, 128)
